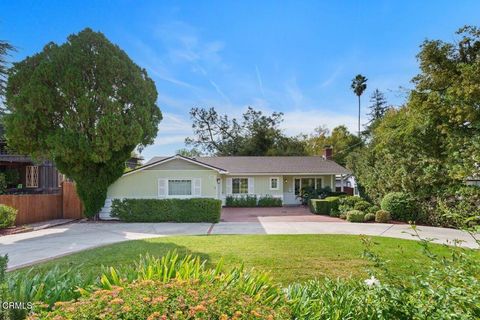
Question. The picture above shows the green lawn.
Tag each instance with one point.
(289, 258)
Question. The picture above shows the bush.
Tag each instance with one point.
(12, 177)
(319, 206)
(400, 205)
(346, 204)
(369, 217)
(180, 288)
(7, 216)
(457, 208)
(269, 201)
(355, 216)
(373, 209)
(343, 215)
(241, 201)
(334, 203)
(382, 216)
(167, 210)
(362, 205)
(3, 183)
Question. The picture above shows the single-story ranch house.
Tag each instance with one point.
(218, 177)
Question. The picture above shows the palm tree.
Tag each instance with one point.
(359, 84)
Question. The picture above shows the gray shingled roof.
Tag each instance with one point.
(285, 164)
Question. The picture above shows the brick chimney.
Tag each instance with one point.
(328, 153)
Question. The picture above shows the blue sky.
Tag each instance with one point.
(297, 57)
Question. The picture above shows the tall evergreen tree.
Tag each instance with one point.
(378, 105)
(86, 106)
(5, 49)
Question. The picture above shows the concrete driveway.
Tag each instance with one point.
(277, 214)
(36, 246)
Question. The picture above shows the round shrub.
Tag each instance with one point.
(373, 209)
(369, 217)
(176, 299)
(382, 216)
(7, 216)
(346, 204)
(400, 205)
(343, 215)
(362, 205)
(355, 216)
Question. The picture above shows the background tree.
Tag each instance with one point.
(340, 139)
(255, 135)
(378, 106)
(5, 49)
(190, 153)
(86, 106)
(359, 85)
(429, 146)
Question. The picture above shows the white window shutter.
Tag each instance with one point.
(229, 185)
(162, 188)
(251, 188)
(197, 187)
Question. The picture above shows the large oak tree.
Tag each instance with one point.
(85, 105)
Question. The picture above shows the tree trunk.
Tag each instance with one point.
(359, 116)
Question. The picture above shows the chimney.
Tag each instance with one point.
(328, 153)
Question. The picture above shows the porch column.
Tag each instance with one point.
(341, 182)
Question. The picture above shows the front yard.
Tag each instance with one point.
(288, 258)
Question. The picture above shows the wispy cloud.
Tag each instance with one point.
(331, 79)
(220, 92)
(259, 79)
(294, 93)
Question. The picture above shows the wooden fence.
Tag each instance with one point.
(41, 207)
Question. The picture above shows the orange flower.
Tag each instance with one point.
(159, 299)
(117, 301)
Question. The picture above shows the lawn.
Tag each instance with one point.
(288, 258)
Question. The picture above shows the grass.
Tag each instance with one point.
(289, 258)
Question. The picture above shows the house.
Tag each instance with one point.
(218, 177)
(23, 175)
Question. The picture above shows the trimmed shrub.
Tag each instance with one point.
(241, 201)
(373, 209)
(400, 205)
(355, 216)
(319, 206)
(346, 204)
(7, 216)
(382, 216)
(167, 210)
(343, 215)
(362, 205)
(334, 203)
(269, 201)
(369, 217)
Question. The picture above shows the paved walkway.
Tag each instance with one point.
(36, 246)
(278, 214)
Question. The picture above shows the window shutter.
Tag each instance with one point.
(162, 188)
(197, 187)
(229, 185)
(251, 189)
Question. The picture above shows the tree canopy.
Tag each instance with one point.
(340, 139)
(432, 143)
(255, 134)
(85, 105)
(5, 49)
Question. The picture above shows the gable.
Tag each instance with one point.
(177, 164)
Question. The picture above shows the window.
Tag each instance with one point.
(274, 183)
(302, 183)
(32, 177)
(179, 187)
(239, 185)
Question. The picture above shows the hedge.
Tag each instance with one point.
(269, 202)
(167, 210)
(328, 206)
(248, 201)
